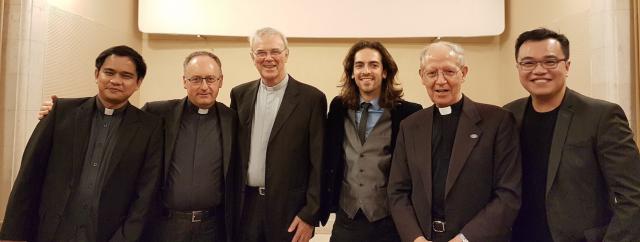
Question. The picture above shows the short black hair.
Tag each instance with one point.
(543, 34)
(126, 51)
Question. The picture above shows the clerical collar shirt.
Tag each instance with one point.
(80, 223)
(266, 108)
(375, 112)
(445, 124)
(195, 177)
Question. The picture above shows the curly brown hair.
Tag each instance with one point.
(391, 91)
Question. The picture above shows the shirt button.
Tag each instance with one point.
(360, 184)
(361, 155)
(94, 164)
(361, 170)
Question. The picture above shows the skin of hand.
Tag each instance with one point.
(46, 107)
(421, 239)
(303, 230)
(458, 238)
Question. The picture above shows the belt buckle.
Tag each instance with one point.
(438, 226)
(196, 216)
(262, 191)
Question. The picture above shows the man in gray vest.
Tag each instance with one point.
(362, 127)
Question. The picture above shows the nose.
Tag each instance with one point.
(538, 69)
(116, 80)
(366, 70)
(203, 85)
(440, 79)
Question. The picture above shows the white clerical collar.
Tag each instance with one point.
(108, 111)
(203, 110)
(445, 111)
(278, 86)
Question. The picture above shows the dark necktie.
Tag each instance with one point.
(362, 126)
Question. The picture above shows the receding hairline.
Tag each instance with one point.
(266, 32)
(193, 55)
(455, 48)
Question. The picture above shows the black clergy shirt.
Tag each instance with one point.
(195, 174)
(442, 138)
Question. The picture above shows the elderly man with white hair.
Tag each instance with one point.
(455, 174)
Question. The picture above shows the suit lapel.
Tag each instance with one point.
(467, 135)
(128, 128)
(565, 115)
(172, 126)
(246, 111)
(249, 104)
(288, 104)
(518, 112)
(225, 125)
(82, 123)
(422, 139)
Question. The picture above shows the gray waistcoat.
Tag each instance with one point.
(367, 169)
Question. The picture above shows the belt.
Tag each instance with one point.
(195, 216)
(260, 190)
(438, 226)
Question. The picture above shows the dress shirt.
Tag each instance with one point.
(266, 108)
(375, 112)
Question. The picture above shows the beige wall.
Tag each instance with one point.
(318, 63)
(51, 49)
(77, 30)
(492, 76)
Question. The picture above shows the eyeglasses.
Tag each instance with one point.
(274, 53)
(529, 65)
(447, 74)
(197, 80)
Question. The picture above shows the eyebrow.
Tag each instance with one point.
(120, 72)
(544, 57)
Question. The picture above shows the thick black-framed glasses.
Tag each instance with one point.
(529, 65)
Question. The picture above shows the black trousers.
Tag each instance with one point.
(253, 217)
(359, 229)
(180, 227)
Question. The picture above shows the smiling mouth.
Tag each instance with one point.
(442, 90)
(541, 80)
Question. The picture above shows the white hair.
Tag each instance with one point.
(267, 31)
(455, 48)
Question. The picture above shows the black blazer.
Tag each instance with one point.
(52, 165)
(294, 154)
(593, 179)
(171, 113)
(482, 191)
(334, 162)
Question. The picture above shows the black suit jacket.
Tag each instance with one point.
(482, 191)
(334, 153)
(171, 113)
(593, 179)
(294, 154)
(52, 164)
